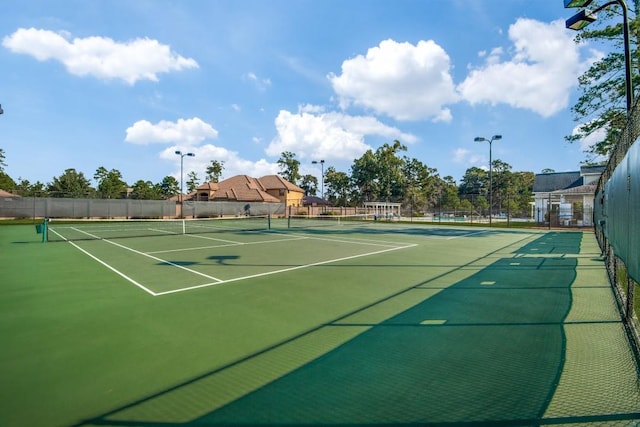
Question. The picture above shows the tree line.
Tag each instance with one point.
(385, 174)
(109, 184)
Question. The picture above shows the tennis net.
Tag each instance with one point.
(312, 221)
(64, 230)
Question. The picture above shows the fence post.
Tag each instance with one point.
(630, 292)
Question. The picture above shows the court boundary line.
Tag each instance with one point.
(218, 281)
(139, 253)
(223, 246)
(268, 273)
(118, 272)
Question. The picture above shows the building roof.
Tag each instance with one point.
(549, 182)
(208, 186)
(313, 200)
(243, 188)
(592, 169)
(7, 194)
(579, 190)
(276, 182)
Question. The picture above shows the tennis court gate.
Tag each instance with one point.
(51, 207)
(617, 221)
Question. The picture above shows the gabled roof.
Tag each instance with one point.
(243, 188)
(276, 182)
(208, 186)
(548, 182)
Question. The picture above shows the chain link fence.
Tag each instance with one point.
(617, 222)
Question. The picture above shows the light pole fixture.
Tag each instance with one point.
(182, 155)
(585, 17)
(481, 139)
(1, 110)
(315, 162)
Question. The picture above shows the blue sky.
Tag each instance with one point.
(124, 84)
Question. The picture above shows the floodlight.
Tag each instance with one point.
(576, 3)
(580, 20)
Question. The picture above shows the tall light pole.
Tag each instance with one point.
(481, 139)
(315, 162)
(181, 154)
(585, 17)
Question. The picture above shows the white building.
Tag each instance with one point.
(569, 195)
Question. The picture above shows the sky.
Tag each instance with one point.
(123, 84)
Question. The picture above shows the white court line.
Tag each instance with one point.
(358, 241)
(152, 257)
(268, 273)
(213, 238)
(468, 234)
(348, 240)
(119, 273)
(225, 246)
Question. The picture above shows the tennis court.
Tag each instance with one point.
(339, 323)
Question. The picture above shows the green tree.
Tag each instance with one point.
(309, 184)
(379, 175)
(449, 194)
(6, 182)
(26, 189)
(110, 183)
(192, 181)
(390, 174)
(70, 184)
(289, 167)
(602, 103)
(364, 172)
(169, 187)
(337, 187)
(501, 184)
(481, 204)
(146, 190)
(521, 193)
(3, 164)
(419, 183)
(214, 171)
(474, 183)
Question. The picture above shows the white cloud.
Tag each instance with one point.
(329, 136)
(188, 132)
(400, 80)
(233, 164)
(100, 57)
(590, 140)
(260, 83)
(465, 156)
(460, 155)
(543, 67)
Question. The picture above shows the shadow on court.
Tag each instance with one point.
(487, 350)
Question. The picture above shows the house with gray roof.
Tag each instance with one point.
(568, 195)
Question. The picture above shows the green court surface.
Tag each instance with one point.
(363, 324)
